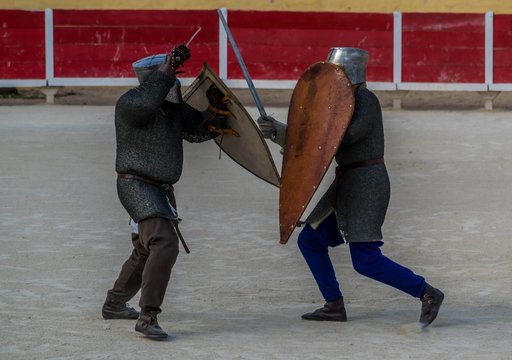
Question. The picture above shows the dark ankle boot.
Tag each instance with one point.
(113, 309)
(332, 311)
(148, 325)
(431, 301)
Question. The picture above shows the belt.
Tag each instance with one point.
(169, 189)
(343, 168)
(164, 186)
(361, 163)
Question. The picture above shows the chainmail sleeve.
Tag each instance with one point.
(138, 105)
(194, 125)
(364, 139)
(363, 119)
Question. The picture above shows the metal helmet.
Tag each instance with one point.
(352, 60)
(146, 66)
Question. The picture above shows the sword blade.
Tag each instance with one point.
(193, 36)
(252, 88)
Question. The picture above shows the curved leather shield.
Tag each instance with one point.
(321, 107)
(250, 149)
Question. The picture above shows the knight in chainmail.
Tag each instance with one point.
(151, 122)
(353, 209)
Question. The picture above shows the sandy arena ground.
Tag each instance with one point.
(239, 294)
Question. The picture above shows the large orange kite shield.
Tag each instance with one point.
(321, 107)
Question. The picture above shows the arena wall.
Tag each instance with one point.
(460, 46)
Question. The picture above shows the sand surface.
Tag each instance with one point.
(239, 294)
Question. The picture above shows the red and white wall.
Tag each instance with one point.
(409, 51)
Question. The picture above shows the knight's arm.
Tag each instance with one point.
(366, 109)
(139, 105)
(195, 129)
(213, 120)
(273, 129)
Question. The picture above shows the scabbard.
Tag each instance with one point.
(182, 240)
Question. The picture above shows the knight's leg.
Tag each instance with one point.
(127, 285)
(130, 276)
(160, 240)
(314, 246)
(369, 261)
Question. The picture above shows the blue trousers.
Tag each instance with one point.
(367, 260)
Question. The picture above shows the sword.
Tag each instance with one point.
(178, 58)
(193, 36)
(254, 94)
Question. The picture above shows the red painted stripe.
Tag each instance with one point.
(22, 53)
(503, 58)
(124, 52)
(288, 59)
(310, 20)
(22, 44)
(502, 39)
(502, 71)
(443, 22)
(126, 18)
(310, 54)
(443, 48)
(142, 34)
(105, 43)
(122, 68)
(22, 69)
(279, 43)
(21, 19)
(422, 39)
(21, 37)
(287, 71)
(502, 75)
(275, 45)
(444, 74)
(305, 38)
(502, 22)
(119, 68)
(445, 57)
(266, 71)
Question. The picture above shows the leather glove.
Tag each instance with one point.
(216, 98)
(178, 55)
(223, 131)
(267, 126)
(272, 129)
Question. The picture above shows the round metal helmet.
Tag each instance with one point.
(145, 66)
(352, 60)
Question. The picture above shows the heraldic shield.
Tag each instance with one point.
(250, 149)
(321, 107)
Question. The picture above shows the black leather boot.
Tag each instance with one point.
(431, 301)
(332, 311)
(148, 325)
(113, 309)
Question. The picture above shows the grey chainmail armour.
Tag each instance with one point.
(149, 134)
(362, 194)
